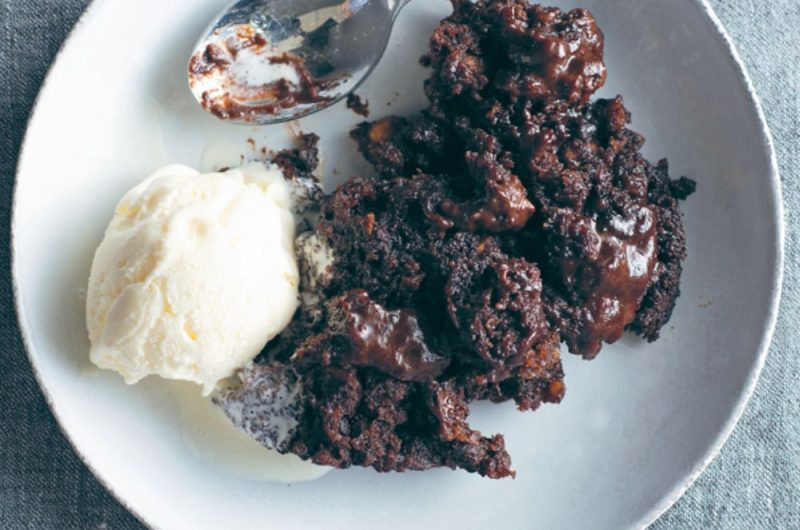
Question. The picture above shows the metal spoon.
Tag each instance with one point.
(269, 61)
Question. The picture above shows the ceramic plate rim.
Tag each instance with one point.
(697, 469)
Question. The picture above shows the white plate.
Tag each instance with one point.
(637, 425)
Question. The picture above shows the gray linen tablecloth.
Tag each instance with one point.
(755, 481)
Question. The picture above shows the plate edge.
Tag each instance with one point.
(21, 320)
(662, 507)
(775, 289)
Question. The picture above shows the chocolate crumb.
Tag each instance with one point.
(357, 105)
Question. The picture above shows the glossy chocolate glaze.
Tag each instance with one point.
(389, 341)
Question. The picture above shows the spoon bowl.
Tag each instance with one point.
(269, 61)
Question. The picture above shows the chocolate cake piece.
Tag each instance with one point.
(600, 221)
(512, 50)
(512, 213)
(427, 318)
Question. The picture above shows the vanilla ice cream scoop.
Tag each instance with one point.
(195, 274)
